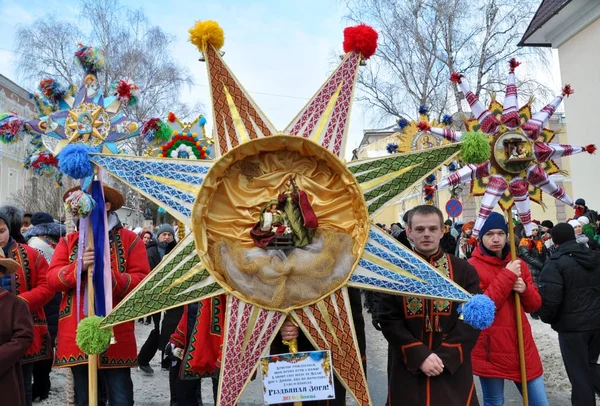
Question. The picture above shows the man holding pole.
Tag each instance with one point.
(128, 265)
(496, 355)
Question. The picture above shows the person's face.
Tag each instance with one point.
(534, 232)
(165, 237)
(577, 229)
(147, 238)
(108, 206)
(26, 224)
(579, 207)
(545, 229)
(468, 232)
(494, 240)
(425, 232)
(4, 234)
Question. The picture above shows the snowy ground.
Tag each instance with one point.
(154, 390)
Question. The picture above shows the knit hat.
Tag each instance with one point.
(563, 233)
(494, 222)
(41, 218)
(574, 223)
(547, 223)
(165, 228)
(468, 224)
(580, 202)
(583, 220)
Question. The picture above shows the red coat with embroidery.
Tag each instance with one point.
(496, 354)
(129, 265)
(203, 354)
(29, 283)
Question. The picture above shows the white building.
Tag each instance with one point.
(573, 28)
(13, 176)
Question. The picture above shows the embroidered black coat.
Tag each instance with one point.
(416, 328)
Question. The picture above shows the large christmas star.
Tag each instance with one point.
(521, 162)
(220, 200)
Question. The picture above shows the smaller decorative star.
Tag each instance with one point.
(95, 123)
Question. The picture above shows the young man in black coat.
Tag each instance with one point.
(570, 291)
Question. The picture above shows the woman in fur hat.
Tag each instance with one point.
(43, 235)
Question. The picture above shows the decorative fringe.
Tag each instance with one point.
(74, 160)
(126, 91)
(91, 338)
(456, 77)
(452, 166)
(423, 110)
(52, 89)
(392, 148)
(475, 148)
(567, 90)
(206, 33)
(90, 59)
(590, 149)
(155, 131)
(423, 126)
(479, 312)
(402, 123)
(361, 39)
(513, 63)
(447, 120)
(79, 204)
(11, 128)
(430, 179)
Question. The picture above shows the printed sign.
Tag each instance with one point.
(300, 377)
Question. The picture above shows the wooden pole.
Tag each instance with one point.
(513, 256)
(92, 358)
(293, 348)
(69, 391)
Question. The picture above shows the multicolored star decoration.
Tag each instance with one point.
(221, 201)
(185, 142)
(509, 154)
(413, 136)
(85, 116)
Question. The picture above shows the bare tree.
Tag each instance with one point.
(134, 49)
(423, 41)
(41, 195)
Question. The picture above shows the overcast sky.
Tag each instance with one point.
(281, 51)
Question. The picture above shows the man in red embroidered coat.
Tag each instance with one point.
(129, 265)
(29, 284)
(431, 357)
(198, 338)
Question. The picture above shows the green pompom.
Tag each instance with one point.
(164, 132)
(475, 148)
(91, 338)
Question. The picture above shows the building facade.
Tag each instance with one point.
(573, 28)
(13, 176)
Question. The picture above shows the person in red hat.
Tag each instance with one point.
(29, 284)
(129, 265)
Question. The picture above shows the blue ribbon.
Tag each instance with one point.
(99, 233)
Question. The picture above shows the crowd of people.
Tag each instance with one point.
(433, 355)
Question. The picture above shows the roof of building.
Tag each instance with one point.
(546, 10)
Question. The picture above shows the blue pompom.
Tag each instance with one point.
(430, 179)
(74, 160)
(447, 120)
(392, 148)
(202, 121)
(423, 110)
(479, 312)
(402, 123)
(452, 167)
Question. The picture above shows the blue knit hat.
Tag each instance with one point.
(494, 222)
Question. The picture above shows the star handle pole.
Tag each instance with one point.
(292, 347)
(513, 257)
(92, 358)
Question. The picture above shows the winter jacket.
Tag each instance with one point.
(496, 354)
(533, 252)
(154, 256)
(29, 283)
(570, 289)
(44, 238)
(129, 266)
